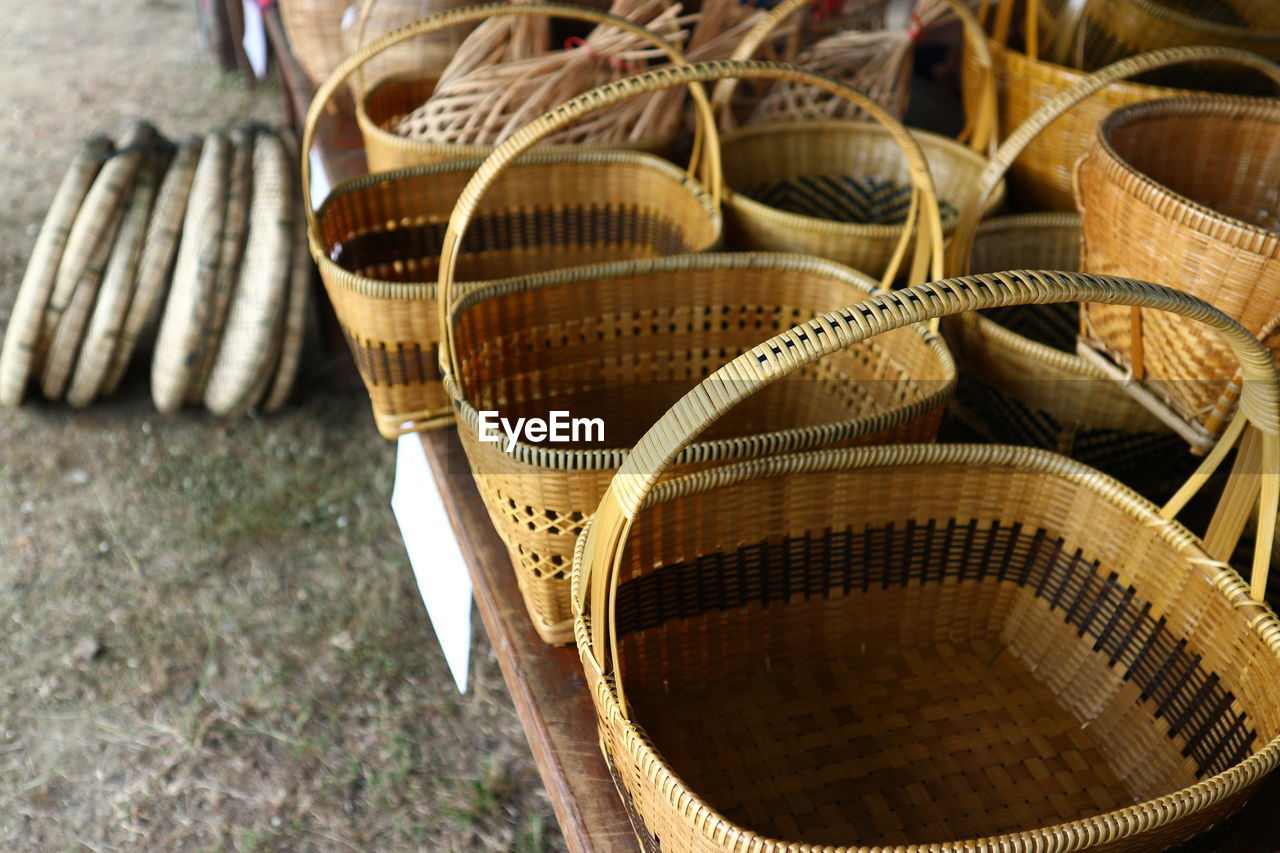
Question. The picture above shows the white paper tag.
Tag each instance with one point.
(319, 179)
(438, 565)
(255, 38)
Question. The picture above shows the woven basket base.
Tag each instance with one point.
(921, 746)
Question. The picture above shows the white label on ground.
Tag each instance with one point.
(438, 565)
(255, 38)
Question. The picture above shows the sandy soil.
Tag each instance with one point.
(211, 636)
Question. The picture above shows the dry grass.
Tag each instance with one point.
(212, 640)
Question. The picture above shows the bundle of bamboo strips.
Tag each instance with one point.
(488, 92)
(876, 63)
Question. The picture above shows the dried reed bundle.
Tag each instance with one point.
(876, 63)
(496, 93)
(497, 40)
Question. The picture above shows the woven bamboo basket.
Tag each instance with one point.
(425, 55)
(1035, 377)
(1041, 178)
(1119, 28)
(377, 239)
(954, 648)
(621, 342)
(399, 94)
(1185, 190)
(835, 189)
(314, 30)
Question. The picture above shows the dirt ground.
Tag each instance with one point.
(211, 637)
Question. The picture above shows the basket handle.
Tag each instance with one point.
(1062, 35)
(923, 217)
(600, 549)
(451, 18)
(971, 212)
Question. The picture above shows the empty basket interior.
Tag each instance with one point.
(843, 171)
(918, 654)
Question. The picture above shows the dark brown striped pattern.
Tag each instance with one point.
(1192, 702)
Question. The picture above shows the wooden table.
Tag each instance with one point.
(546, 683)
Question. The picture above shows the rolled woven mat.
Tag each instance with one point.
(158, 252)
(17, 357)
(244, 353)
(88, 248)
(194, 277)
(294, 321)
(94, 224)
(234, 230)
(118, 283)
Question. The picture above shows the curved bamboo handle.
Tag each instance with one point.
(450, 18)
(971, 212)
(746, 49)
(923, 217)
(981, 130)
(601, 548)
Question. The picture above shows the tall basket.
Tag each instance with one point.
(1040, 179)
(377, 239)
(619, 343)
(1185, 190)
(1037, 375)
(945, 648)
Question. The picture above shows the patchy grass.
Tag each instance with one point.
(215, 643)
(212, 640)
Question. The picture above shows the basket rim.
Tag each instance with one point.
(1167, 202)
(451, 150)
(1005, 58)
(1171, 16)
(335, 275)
(724, 449)
(848, 230)
(1080, 834)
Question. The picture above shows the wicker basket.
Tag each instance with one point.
(1031, 374)
(835, 189)
(1120, 28)
(399, 94)
(1023, 382)
(959, 648)
(377, 239)
(428, 54)
(1185, 190)
(621, 342)
(314, 30)
(1041, 178)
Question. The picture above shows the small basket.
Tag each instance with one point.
(377, 238)
(945, 648)
(1023, 382)
(621, 342)
(314, 30)
(1185, 190)
(1041, 178)
(835, 189)
(395, 95)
